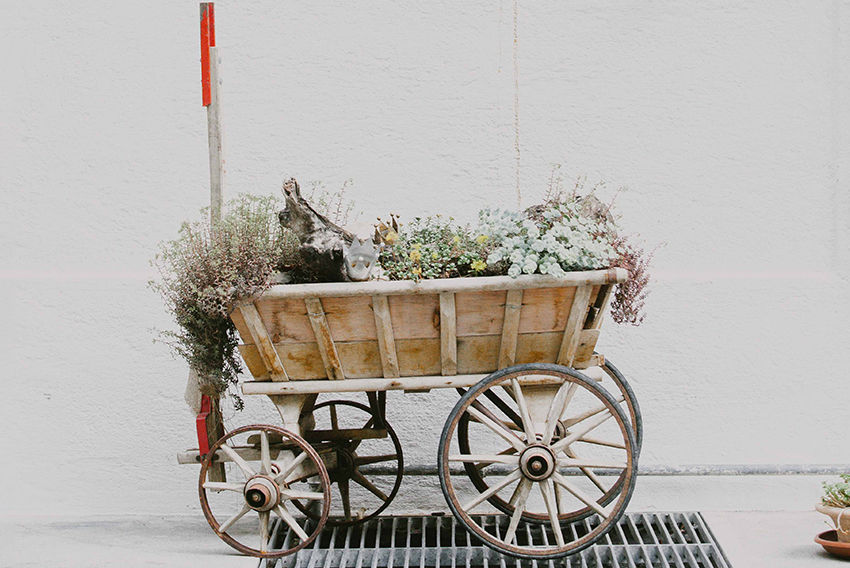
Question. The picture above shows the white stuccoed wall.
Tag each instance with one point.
(728, 120)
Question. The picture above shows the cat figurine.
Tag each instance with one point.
(360, 258)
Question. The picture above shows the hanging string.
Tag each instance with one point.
(516, 108)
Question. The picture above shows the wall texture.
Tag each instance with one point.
(728, 121)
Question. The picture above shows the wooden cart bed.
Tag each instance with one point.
(415, 336)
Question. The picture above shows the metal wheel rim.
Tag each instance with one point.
(312, 455)
(396, 486)
(556, 551)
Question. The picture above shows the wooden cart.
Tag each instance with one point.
(546, 431)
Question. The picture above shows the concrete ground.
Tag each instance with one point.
(750, 540)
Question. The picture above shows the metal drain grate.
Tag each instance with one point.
(640, 540)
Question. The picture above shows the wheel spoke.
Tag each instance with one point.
(281, 477)
(334, 419)
(367, 460)
(568, 422)
(508, 452)
(528, 425)
(558, 408)
(513, 476)
(499, 428)
(580, 495)
(552, 509)
(229, 522)
(597, 421)
(282, 512)
(560, 499)
(221, 486)
(265, 454)
(356, 443)
(360, 480)
(521, 494)
(485, 459)
(295, 494)
(264, 531)
(237, 459)
(346, 499)
(598, 442)
(592, 463)
(588, 472)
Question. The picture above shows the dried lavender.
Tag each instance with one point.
(206, 269)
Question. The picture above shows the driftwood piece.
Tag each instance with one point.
(322, 242)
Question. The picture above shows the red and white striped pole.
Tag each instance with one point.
(211, 95)
(209, 423)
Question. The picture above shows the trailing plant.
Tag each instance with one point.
(837, 494)
(206, 269)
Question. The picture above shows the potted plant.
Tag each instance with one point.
(835, 503)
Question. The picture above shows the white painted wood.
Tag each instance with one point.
(446, 285)
(413, 384)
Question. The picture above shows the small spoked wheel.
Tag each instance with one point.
(359, 453)
(548, 447)
(268, 465)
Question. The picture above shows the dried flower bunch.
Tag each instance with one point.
(206, 269)
(837, 494)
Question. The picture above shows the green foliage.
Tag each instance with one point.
(434, 247)
(837, 494)
(206, 269)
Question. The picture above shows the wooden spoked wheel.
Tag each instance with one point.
(355, 444)
(267, 465)
(627, 399)
(545, 467)
(616, 384)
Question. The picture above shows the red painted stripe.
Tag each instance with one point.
(212, 23)
(201, 425)
(205, 54)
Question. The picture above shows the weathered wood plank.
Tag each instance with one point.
(384, 384)
(447, 285)
(510, 328)
(386, 339)
(600, 306)
(586, 344)
(575, 322)
(448, 334)
(324, 340)
(261, 339)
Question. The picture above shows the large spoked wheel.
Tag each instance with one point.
(356, 447)
(269, 463)
(523, 426)
(617, 385)
(627, 399)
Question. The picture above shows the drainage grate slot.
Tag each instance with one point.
(640, 540)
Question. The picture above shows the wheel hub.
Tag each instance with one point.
(537, 462)
(261, 493)
(345, 464)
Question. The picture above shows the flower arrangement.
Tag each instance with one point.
(209, 267)
(567, 232)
